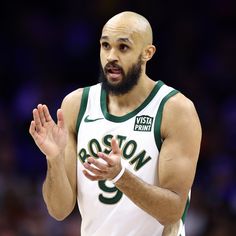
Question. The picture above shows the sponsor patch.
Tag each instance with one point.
(143, 123)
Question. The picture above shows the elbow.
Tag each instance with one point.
(172, 212)
(169, 218)
(59, 210)
(57, 215)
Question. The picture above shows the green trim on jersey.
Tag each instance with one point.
(83, 105)
(185, 210)
(158, 119)
(118, 119)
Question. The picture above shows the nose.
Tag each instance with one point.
(112, 56)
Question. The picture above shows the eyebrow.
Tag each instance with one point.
(122, 40)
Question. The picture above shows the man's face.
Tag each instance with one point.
(120, 56)
(126, 83)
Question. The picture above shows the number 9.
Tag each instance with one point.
(109, 200)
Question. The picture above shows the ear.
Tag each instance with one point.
(148, 52)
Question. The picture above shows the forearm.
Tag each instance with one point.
(57, 192)
(162, 204)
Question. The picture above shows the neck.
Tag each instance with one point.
(123, 104)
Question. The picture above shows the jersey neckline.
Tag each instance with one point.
(117, 119)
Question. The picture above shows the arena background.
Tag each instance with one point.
(47, 49)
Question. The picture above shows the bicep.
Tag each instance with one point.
(180, 149)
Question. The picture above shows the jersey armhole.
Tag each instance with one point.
(83, 106)
(186, 208)
(158, 119)
(182, 220)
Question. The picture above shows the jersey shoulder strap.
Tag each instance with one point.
(83, 106)
(158, 119)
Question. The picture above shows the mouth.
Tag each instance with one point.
(113, 72)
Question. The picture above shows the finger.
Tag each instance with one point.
(41, 114)
(60, 119)
(114, 146)
(46, 113)
(106, 158)
(32, 128)
(92, 177)
(101, 166)
(38, 124)
(93, 170)
(33, 132)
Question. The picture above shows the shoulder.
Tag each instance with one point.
(73, 98)
(179, 103)
(179, 112)
(71, 106)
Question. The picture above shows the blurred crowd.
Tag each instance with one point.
(48, 49)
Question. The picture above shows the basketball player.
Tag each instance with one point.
(126, 149)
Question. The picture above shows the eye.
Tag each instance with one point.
(105, 45)
(123, 47)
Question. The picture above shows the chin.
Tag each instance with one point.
(114, 79)
(114, 82)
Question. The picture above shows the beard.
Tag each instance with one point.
(128, 82)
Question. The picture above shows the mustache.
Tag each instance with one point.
(112, 65)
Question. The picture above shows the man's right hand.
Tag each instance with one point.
(51, 138)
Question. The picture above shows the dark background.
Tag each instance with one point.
(48, 49)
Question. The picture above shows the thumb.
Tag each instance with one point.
(114, 146)
(60, 119)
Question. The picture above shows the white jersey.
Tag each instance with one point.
(105, 210)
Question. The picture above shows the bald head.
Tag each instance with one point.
(131, 22)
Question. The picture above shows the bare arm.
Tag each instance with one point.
(58, 143)
(59, 188)
(181, 132)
